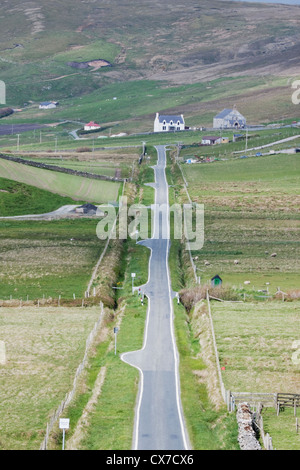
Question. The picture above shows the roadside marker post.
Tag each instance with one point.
(115, 332)
(64, 423)
(132, 277)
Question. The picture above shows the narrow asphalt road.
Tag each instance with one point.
(159, 423)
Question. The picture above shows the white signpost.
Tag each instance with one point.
(115, 332)
(132, 277)
(64, 423)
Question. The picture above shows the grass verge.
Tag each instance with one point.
(209, 425)
(111, 418)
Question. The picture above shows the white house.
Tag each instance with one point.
(164, 123)
(48, 105)
(229, 118)
(91, 126)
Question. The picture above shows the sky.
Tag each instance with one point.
(286, 2)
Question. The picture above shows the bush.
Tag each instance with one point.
(83, 149)
(190, 297)
(293, 294)
(5, 112)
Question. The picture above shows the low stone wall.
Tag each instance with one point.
(247, 435)
(61, 169)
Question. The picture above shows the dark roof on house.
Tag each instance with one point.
(216, 277)
(210, 137)
(88, 207)
(168, 118)
(225, 113)
(46, 103)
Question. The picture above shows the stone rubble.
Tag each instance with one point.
(247, 435)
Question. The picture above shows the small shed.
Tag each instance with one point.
(211, 140)
(216, 281)
(48, 104)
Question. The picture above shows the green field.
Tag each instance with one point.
(116, 162)
(47, 259)
(282, 428)
(22, 199)
(75, 187)
(251, 212)
(255, 345)
(43, 350)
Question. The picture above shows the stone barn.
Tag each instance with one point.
(229, 119)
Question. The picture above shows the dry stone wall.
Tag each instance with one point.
(247, 435)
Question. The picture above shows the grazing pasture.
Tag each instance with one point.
(255, 345)
(252, 227)
(40, 258)
(43, 350)
(75, 187)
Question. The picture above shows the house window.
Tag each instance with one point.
(164, 128)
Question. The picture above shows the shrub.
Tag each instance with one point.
(5, 112)
(293, 294)
(83, 149)
(191, 296)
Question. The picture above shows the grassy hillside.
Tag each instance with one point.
(75, 187)
(162, 56)
(21, 199)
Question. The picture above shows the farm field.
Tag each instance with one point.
(47, 259)
(107, 162)
(282, 428)
(251, 213)
(22, 199)
(44, 347)
(255, 345)
(75, 187)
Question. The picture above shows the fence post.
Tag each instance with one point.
(70, 395)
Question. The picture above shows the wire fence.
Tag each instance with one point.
(69, 396)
